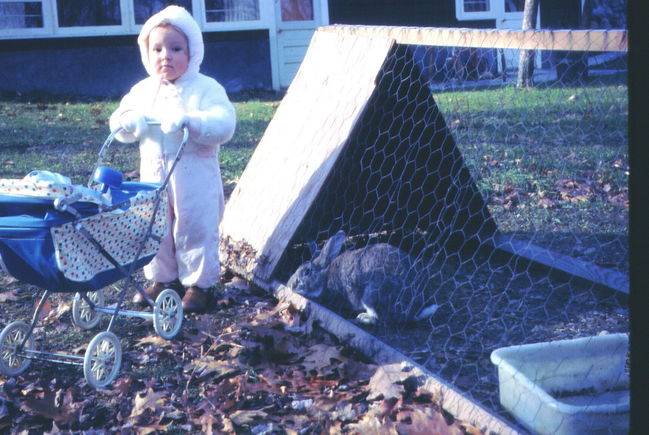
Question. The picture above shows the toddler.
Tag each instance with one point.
(177, 95)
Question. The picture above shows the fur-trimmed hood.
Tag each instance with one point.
(180, 18)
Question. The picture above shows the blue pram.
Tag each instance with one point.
(69, 238)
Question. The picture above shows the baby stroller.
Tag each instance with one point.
(68, 238)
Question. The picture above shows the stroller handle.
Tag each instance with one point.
(111, 138)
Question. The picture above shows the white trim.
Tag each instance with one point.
(489, 14)
(268, 10)
(496, 12)
(324, 13)
(234, 25)
(89, 30)
(198, 9)
(30, 31)
(263, 22)
(51, 28)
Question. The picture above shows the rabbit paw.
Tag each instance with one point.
(369, 317)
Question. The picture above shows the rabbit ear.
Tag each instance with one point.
(331, 250)
(313, 248)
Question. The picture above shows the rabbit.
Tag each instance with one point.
(379, 281)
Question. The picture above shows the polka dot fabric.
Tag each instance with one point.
(47, 190)
(120, 233)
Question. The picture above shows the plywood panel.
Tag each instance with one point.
(298, 149)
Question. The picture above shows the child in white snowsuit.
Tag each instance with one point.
(177, 95)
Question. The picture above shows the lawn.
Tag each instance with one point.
(35, 135)
(552, 164)
(546, 149)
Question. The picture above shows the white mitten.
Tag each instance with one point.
(173, 122)
(134, 122)
(195, 123)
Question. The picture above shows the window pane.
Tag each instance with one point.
(21, 15)
(514, 5)
(476, 5)
(297, 10)
(74, 13)
(145, 8)
(231, 10)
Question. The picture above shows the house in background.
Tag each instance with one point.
(88, 47)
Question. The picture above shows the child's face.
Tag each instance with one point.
(168, 52)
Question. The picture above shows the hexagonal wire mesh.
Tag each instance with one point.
(511, 203)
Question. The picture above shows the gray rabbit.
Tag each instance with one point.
(379, 281)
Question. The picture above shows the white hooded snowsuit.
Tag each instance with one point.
(190, 250)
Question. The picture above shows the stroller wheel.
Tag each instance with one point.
(82, 315)
(167, 314)
(102, 360)
(11, 337)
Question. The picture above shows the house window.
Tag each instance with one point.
(56, 18)
(297, 10)
(145, 8)
(514, 5)
(476, 5)
(82, 13)
(220, 11)
(21, 15)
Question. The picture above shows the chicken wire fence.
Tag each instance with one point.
(511, 201)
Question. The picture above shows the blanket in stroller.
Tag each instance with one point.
(43, 246)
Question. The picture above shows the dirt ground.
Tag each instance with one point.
(247, 366)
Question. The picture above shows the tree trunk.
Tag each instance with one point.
(526, 57)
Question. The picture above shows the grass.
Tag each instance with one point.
(65, 137)
(547, 160)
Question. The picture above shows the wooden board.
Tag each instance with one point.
(568, 40)
(573, 266)
(298, 149)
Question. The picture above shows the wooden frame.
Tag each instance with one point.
(567, 40)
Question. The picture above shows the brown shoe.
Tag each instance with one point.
(154, 290)
(177, 286)
(196, 300)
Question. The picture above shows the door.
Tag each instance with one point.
(297, 20)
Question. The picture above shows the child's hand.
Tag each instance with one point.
(173, 122)
(134, 122)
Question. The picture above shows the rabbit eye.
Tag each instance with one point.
(307, 272)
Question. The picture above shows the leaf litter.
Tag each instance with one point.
(251, 365)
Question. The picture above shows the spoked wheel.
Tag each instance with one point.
(167, 314)
(102, 360)
(82, 315)
(12, 363)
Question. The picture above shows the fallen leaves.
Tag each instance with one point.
(210, 366)
(565, 192)
(251, 366)
(147, 402)
(55, 405)
(8, 296)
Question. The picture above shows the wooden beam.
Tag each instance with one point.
(568, 40)
(607, 277)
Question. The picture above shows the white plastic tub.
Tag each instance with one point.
(567, 387)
